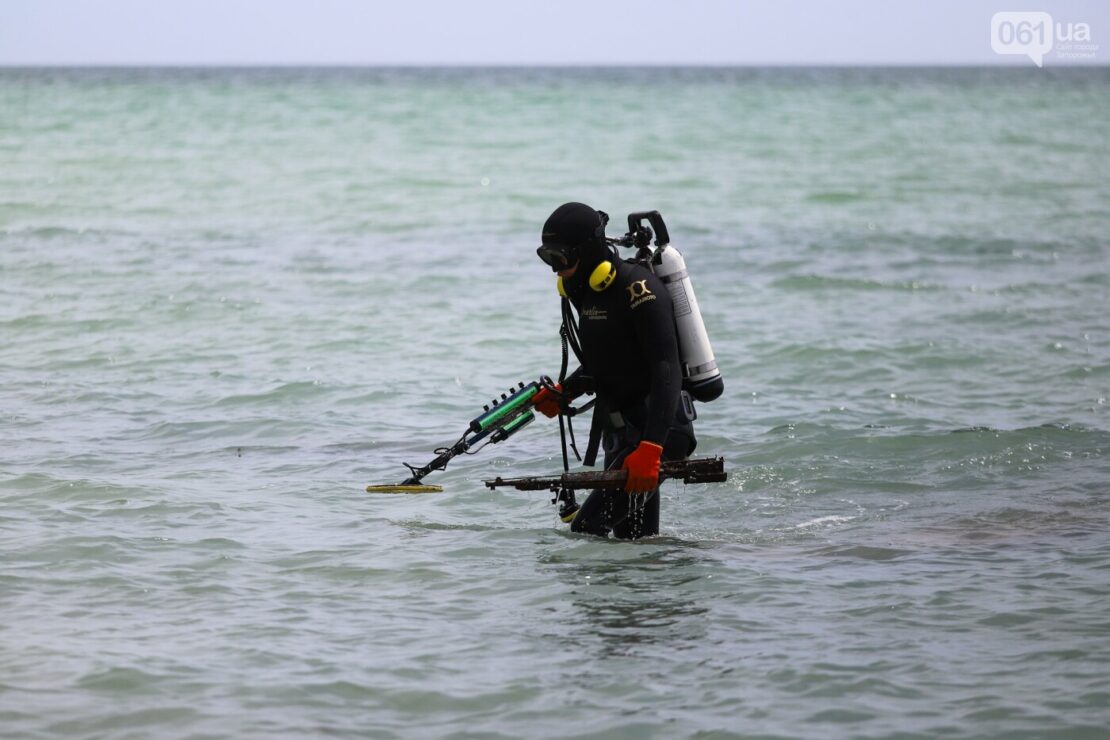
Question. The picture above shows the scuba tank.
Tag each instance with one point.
(701, 377)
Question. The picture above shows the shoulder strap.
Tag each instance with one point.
(592, 446)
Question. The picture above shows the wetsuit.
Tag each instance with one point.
(630, 361)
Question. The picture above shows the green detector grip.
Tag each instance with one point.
(508, 405)
(513, 427)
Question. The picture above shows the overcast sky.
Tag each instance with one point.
(712, 32)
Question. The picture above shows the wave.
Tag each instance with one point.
(295, 391)
(835, 197)
(829, 282)
(842, 456)
(64, 232)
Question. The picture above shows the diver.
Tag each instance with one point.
(629, 355)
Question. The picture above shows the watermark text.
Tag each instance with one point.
(1034, 34)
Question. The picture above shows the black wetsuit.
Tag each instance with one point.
(630, 361)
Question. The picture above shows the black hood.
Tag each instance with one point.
(580, 229)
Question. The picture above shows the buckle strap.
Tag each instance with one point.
(590, 458)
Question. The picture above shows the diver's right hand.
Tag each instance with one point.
(643, 467)
(547, 401)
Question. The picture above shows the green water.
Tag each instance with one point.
(230, 299)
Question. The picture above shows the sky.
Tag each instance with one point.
(521, 32)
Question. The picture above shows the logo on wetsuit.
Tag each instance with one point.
(639, 293)
(597, 314)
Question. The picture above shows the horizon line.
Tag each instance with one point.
(1015, 64)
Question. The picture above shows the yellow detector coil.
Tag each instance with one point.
(389, 488)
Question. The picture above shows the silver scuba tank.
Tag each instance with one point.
(701, 377)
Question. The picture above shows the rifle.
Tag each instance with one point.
(697, 470)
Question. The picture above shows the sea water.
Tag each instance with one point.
(231, 299)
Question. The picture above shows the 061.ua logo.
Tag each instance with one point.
(1032, 34)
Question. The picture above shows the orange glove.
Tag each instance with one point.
(643, 467)
(547, 402)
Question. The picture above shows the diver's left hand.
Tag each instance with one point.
(547, 401)
(643, 467)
